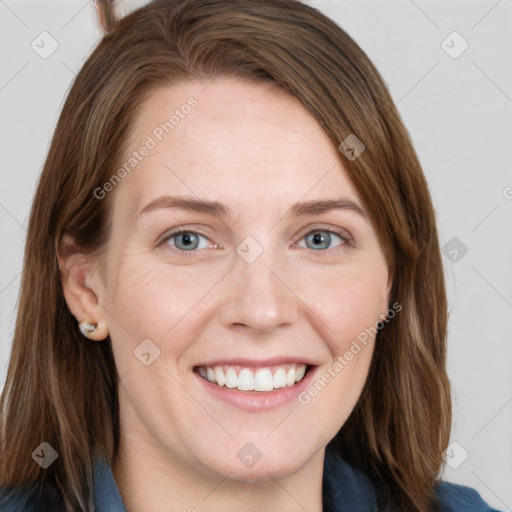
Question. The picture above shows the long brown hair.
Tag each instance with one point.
(62, 389)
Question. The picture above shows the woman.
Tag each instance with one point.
(232, 294)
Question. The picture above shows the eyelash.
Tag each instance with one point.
(343, 235)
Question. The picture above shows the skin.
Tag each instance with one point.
(254, 148)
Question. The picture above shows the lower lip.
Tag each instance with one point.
(256, 400)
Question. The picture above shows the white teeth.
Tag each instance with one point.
(279, 378)
(231, 378)
(210, 374)
(290, 377)
(263, 380)
(248, 379)
(299, 372)
(219, 376)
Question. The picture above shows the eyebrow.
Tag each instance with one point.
(218, 209)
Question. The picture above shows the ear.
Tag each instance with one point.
(79, 274)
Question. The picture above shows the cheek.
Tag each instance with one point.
(153, 300)
(350, 304)
(350, 312)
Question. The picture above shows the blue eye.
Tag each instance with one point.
(185, 240)
(322, 238)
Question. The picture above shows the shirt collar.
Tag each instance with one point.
(344, 489)
(106, 494)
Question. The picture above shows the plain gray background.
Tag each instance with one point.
(457, 106)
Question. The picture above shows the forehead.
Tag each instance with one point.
(231, 140)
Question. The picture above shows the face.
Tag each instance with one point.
(254, 291)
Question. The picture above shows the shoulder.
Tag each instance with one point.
(459, 498)
(26, 499)
(347, 488)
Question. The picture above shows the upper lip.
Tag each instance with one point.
(257, 363)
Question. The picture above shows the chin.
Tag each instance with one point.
(249, 464)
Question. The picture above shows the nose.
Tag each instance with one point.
(258, 296)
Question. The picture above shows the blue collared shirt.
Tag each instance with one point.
(345, 489)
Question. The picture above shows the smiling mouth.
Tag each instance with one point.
(254, 379)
